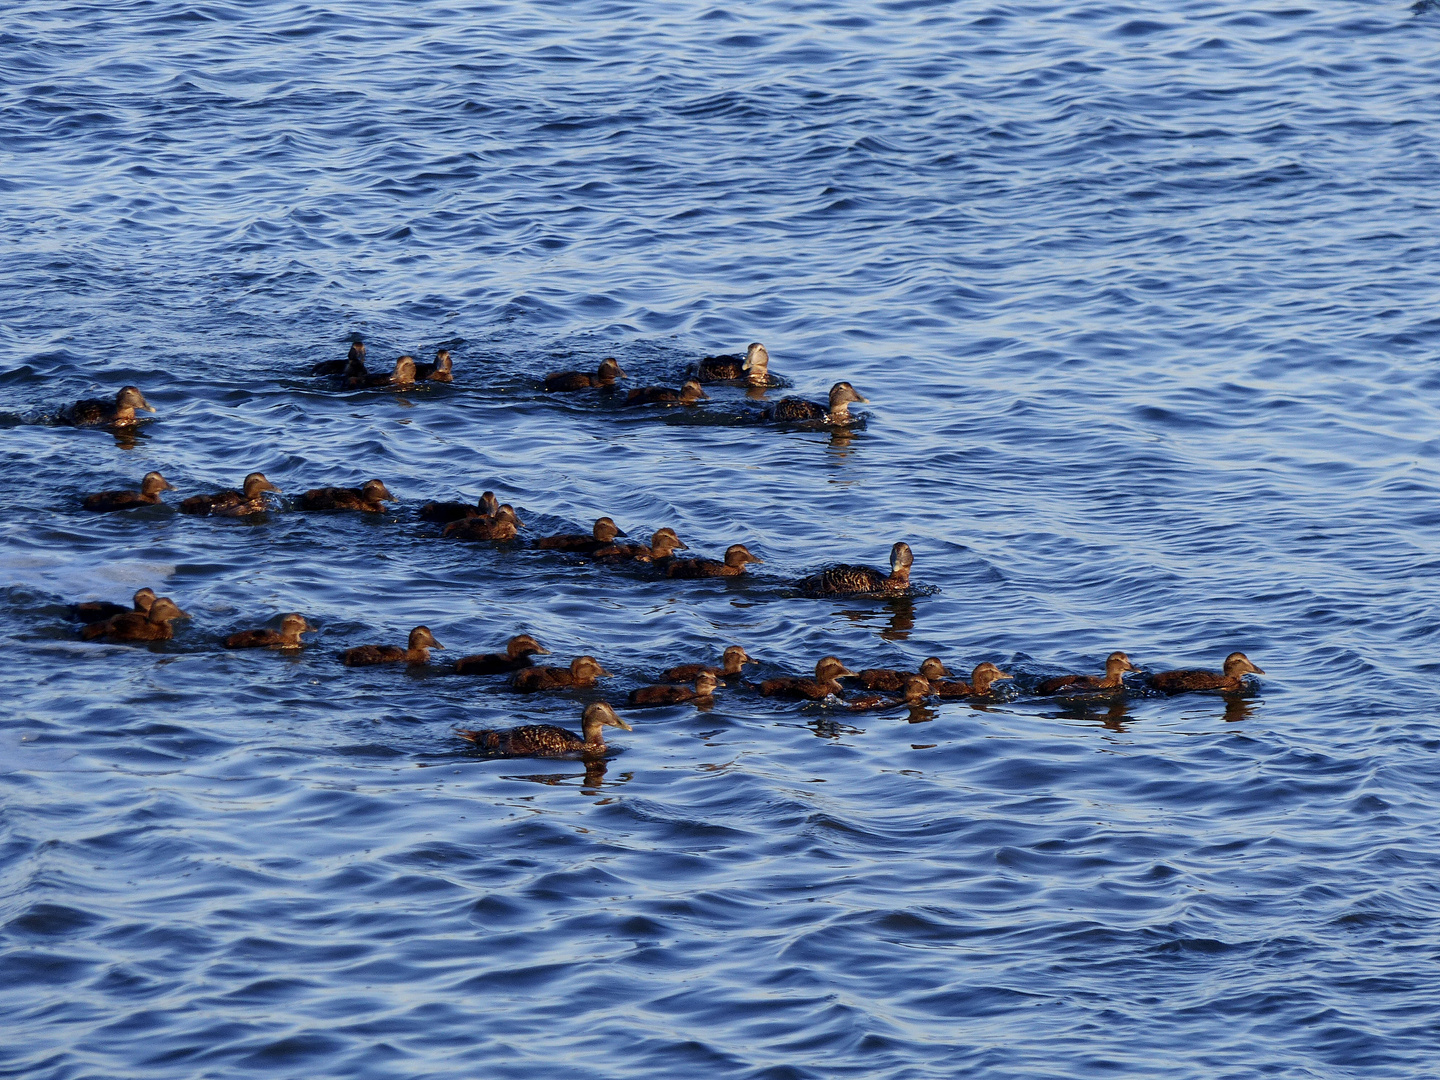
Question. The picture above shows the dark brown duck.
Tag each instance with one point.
(369, 498)
(503, 526)
(701, 693)
(892, 681)
(1116, 665)
(1231, 680)
(581, 674)
(848, 580)
(731, 663)
(151, 485)
(442, 513)
(663, 545)
(828, 673)
(982, 678)
(153, 625)
(97, 412)
(913, 691)
(605, 376)
(736, 556)
(94, 611)
(547, 740)
(353, 365)
(417, 652)
(402, 376)
(753, 368)
(518, 652)
(287, 637)
(439, 371)
(249, 500)
(689, 394)
(792, 409)
(602, 534)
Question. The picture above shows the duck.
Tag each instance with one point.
(502, 526)
(849, 580)
(702, 694)
(151, 485)
(1229, 680)
(981, 679)
(518, 652)
(93, 611)
(828, 673)
(663, 545)
(351, 366)
(403, 375)
(287, 637)
(547, 740)
(731, 663)
(914, 690)
(688, 394)
(417, 651)
(891, 680)
(442, 513)
(439, 371)
(249, 500)
(753, 368)
(792, 409)
(1116, 664)
(581, 674)
(97, 412)
(369, 498)
(152, 625)
(602, 534)
(736, 556)
(605, 376)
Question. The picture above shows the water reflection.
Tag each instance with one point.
(591, 781)
(900, 622)
(1237, 708)
(1111, 713)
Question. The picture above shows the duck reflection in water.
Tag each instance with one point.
(900, 622)
(1237, 708)
(591, 780)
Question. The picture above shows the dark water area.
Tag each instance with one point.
(1143, 301)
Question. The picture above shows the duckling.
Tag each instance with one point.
(736, 556)
(151, 485)
(153, 625)
(546, 740)
(287, 637)
(369, 497)
(251, 500)
(602, 534)
(753, 368)
(353, 365)
(417, 652)
(608, 372)
(518, 652)
(93, 611)
(702, 694)
(663, 545)
(981, 679)
(439, 371)
(1116, 664)
(502, 526)
(731, 663)
(892, 680)
(582, 673)
(402, 376)
(97, 412)
(848, 580)
(828, 673)
(914, 690)
(688, 394)
(791, 409)
(1237, 665)
(442, 513)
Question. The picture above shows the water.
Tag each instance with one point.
(1142, 300)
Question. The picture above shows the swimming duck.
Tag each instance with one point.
(1116, 664)
(502, 526)
(914, 690)
(151, 485)
(791, 409)
(688, 394)
(753, 367)
(442, 513)
(287, 637)
(1237, 665)
(731, 662)
(602, 534)
(403, 375)
(369, 497)
(981, 679)
(608, 372)
(663, 545)
(518, 651)
(546, 740)
(93, 611)
(349, 368)
(439, 371)
(582, 673)
(702, 693)
(892, 680)
(848, 580)
(97, 412)
(153, 625)
(418, 651)
(828, 673)
(250, 500)
(736, 556)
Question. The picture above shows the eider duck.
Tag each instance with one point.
(792, 409)
(1237, 665)
(369, 497)
(439, 371)
(502, 526)
(702, 693)
(518, 651)
(250, 500)
(93, 611)
(848, 580)
(981, 679)
(828, 673)
(602, 534)
(608, 372)
(736, 556)
(663, 545)
(546, 740)
(153, 625)
(753, 367)
(403, 375)
(891, 680)
(582, 673)
(1116, 664)
(96, 412)
(417, 652)
(151, 485)
(349, 368)
(287, 637)
(914, 690)
(442, 513)
(688, 394)
(731, 662)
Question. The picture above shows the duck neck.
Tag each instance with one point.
(594, 732)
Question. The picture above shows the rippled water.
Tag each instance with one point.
(1143, 301)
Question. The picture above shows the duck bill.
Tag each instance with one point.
(1002, 675)
(167, 486)
(621, 723)
(146, 406)
(1256, 670)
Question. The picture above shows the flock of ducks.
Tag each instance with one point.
(150, 617)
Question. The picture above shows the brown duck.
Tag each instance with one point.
(849, 580)
(153, 625)
(503, 526)
(1237, 666)
(602, 534)
(518, 651)
(703, 692)
(151, 485)
(792, 409)
(352, 365)
(97, 412)
(546, 740)
(287, 637)
(94, 611)
(442, 513)
(890, 680)
(605, 376)
(249, 500)
(581, 674)
(828, 673)
(1116, 664)
(736, 556)
(689, 394)
(981, 679)
(439, 371)
(753, 367)
(403, 375)
(417, 652)
(914, 690)
(369, 497)
(663, 545)
(731, 663)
